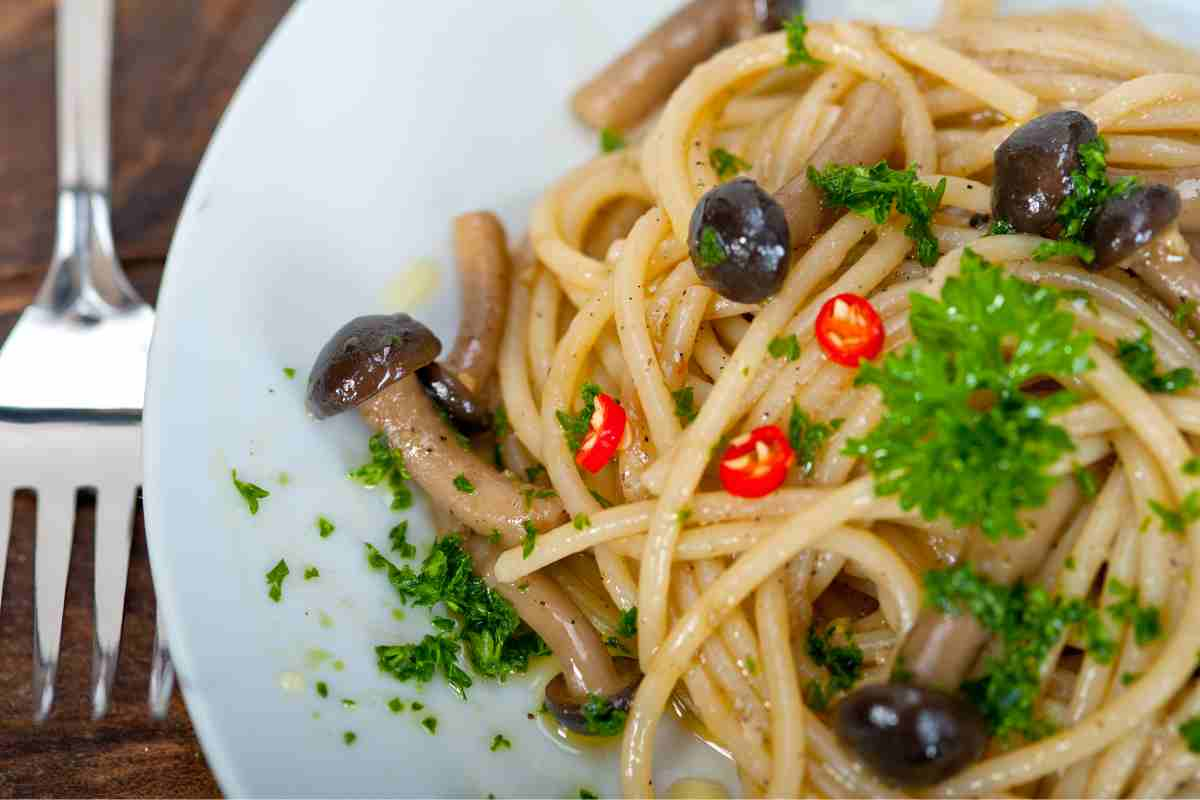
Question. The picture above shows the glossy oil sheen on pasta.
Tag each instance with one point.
(726, 587)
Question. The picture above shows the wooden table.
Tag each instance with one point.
(176, 66)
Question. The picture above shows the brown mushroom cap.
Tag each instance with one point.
(568, 708)
(365, 356)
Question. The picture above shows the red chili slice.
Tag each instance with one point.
(849, 329)
(756, 463)
(605, 431)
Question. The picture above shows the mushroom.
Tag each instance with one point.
(459, 402)
(588, 669)
(1033, 168)
(1184, 180)
(483, 262)
(630, 87)
(917, 731)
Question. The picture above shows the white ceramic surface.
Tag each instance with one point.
(360, 131)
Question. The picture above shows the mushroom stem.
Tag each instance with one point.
(484, 264)
(642, 77)
(865, 133)
(435, 459)
(545, 607)
(1167, 266)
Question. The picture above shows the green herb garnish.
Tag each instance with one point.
(581, 522)
(349, 737)
(685, 405)
(275, 580)
(611, 141)
(587, 794)
(348, 703)
(797, 49)
(601, 717)
(325, 527)
(1144, 619)
(871, 191)
(843, 662)
(322, 689)
(500, 742)
(1028, 622)
(1138, 358)
(398, 536)
(534, 472)
(599, 498)
(289, 373)
(726, 163)
(808, 437)
(1190, 731)
(311, 572)
(627, 623)
(575, 426)
(961, 437)
(787, 347)
(529, 540)
(1001, 227)
(463, 485)
(250, 492)
(1186, 309)
(396, 705)
(1177, 520)
(430, 724)
(385, 467)
(712, 249)
(1191, 466)
(1085, 480)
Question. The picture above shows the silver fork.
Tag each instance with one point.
(73, 372)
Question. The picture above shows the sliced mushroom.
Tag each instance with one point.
(642, 77)
(364, 357)
(865, 134)
(587, 666)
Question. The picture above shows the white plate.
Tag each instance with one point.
(360, 131)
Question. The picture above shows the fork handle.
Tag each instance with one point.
(84, 52)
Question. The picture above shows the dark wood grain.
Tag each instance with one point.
(176, 66)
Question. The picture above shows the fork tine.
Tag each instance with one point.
(114, 532)
(162, 672)
(51, 557)
(5, 529)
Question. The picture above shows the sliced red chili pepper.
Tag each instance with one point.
(606, 429)
(849, 329)
(756, 463)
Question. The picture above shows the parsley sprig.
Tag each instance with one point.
(797, 49)
(808, 437)
(275, 580)
(961, 437)
(843, 662)
(601, 717)
(1029, 623)
(685, 405)
(250, 492)
(496, 642)
(872, 191)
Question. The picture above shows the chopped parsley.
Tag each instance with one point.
(385, 467)
(1128, 678)
(807, 437)
(495, 536)
(871, 191)
(1090, 190)
(843, 662)
(311, 572)
(496, 642)
(1177, 520)
(395, 705)
(627, 623)
(417, 706)
(685, 405)
(1190, 731)
(575, 426)
(961, 437)
(398, 536)
(581, 522)
(534, 472)
(1186, 309)
(601, 717)
(529, 540)
(1191, 466)
(611, 141)
(1085, 480)
(250, 492)
(1028, 622)
(682, 516)
(348, 703)
(1138, 358)
(599, 498)
(797, 49)
(785, 347)
(322, 689)
(430, 724)
(1146, 625)
(751, 665)
(275, 580)
(535, 493)
(726, 163)
(349, 737)
(587, 794)
(500, 742)
(1069, 564)
(289, 373)
(325, 528)
(712, 250)
(463, 485)
(1001, 227)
